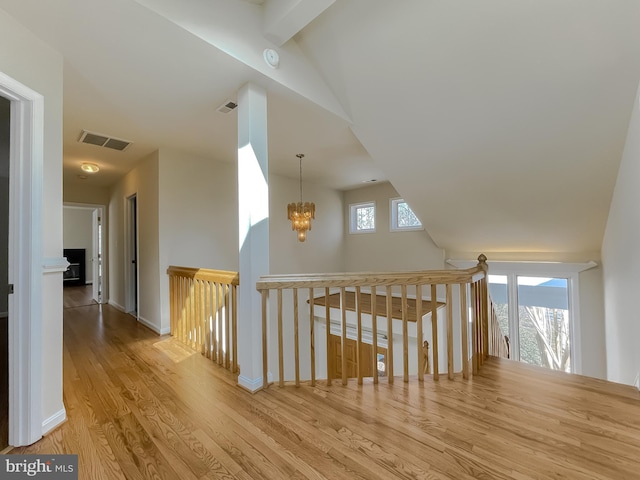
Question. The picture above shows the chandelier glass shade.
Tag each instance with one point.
(301, 213)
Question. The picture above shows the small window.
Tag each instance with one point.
(362, 217)
(402, 217)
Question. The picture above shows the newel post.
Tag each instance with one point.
(484, 308)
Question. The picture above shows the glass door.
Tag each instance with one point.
(534, 311)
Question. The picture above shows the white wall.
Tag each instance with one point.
(385, 250)
(29, 61)
(78, 233)
(322, 251)
(87, 193)
(142, 181)
(198, 217)
(592, 324)
(621, 263)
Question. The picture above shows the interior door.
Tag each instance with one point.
(97, 255)
(5, 111)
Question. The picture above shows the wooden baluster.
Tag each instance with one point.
(214, 333)
(192, 309)
(220, 326)
(343, 343)
(312, 338)
(265, 298)
(280, 341)
(207, 319)
(434, 332)
(181, 309)
(485, 325)
(185, 311)
(199, 317)
(327, 315)
(449, 332)
(464, 326)
(234, 327)
(419, 334)
(295, 336)
(227, 317)
(359, 334)
(389, 335)
(172, 304)
(405, 333)
(374, 332)
(474, 327)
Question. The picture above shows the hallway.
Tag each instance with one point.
(78, 296)
(141, 406)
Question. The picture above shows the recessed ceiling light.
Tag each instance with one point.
(90, 167)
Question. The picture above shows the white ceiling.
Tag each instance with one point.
(501, 122)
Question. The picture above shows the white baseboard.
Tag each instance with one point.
(150, 325)
(253, 384)
(53, 421)
(116, 305)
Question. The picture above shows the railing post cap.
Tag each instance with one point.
(482, 258)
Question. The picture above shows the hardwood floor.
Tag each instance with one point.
(142, 406)
(78, 296)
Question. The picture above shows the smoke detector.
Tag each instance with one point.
(100, 140)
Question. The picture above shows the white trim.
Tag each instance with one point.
(54, 421)
(131, 252)
(538, 268)
(569, 271)
(352, 217)
(253, 384)
(115, 305)
(25, 260)
(393, 217)
(151, 325)
(54, 264)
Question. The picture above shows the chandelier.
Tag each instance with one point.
(301, 213)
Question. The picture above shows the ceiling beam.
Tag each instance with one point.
(284, 18)
(236, 29)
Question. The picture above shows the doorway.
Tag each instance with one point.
(84, 237)
(132, 273)
(5, 116)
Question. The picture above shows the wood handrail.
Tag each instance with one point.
(369, 279)
(205, 274)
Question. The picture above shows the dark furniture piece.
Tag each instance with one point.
(76, 273)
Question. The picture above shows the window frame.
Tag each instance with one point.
(393, 217)
(568, 270)
(353, 208)
(525, 269)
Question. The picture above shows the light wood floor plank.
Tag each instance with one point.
(142, 406)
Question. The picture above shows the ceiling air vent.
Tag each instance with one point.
(227, 106)
(104, 141)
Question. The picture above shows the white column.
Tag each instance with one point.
(253, 215)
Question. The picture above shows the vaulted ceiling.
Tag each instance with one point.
(501, 122)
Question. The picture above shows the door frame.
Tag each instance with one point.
(132, 276)
(101, 209)
(26, 154)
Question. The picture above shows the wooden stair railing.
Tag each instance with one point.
(474, 322)
(203, 306)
